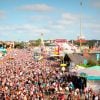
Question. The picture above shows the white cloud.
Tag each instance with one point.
(37, 8)
(28, 28)
(23, 29)
(2, 14)
(70, 23)
(92, 25)
(95, 26)
(22, 32)
(66, 20)
(69, 16)
(92, 30)
(56, 27)
(67, 24)
(96, 3)
(40, 18)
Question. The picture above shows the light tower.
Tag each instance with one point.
(42, 41)
(42, 45)
(81, 37)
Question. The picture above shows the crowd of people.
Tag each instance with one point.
(22, 78)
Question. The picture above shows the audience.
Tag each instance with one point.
(22, 78)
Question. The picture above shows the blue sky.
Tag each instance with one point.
(23, 20)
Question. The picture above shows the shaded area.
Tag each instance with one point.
(79, 58)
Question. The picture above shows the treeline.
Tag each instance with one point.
(31, 43)
(37, 42)
(89, 43)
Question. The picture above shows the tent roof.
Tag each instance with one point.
(93, 73)
(2, 49)
(93, 77)
(95, 67)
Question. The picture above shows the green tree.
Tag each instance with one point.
(38, 42)
(19, 45)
